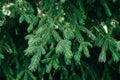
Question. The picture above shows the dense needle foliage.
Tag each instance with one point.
(59, 39)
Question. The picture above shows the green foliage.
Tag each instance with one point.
(59, 39)
(64, 46)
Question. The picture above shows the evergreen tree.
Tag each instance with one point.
(59, 39)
